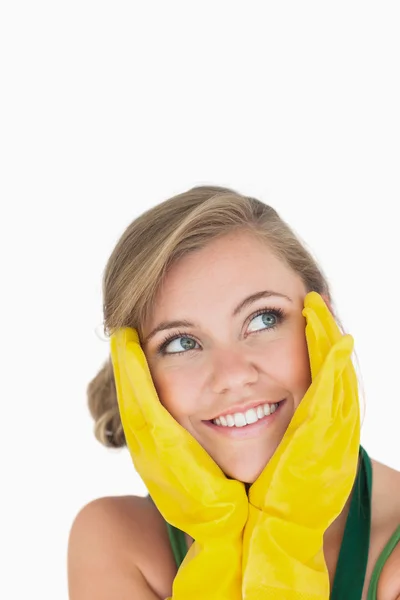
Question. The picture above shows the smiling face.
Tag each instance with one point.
(240, 343)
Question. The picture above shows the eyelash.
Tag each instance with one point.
(277, 312)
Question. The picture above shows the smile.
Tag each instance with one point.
(241, 419)
(244, 429)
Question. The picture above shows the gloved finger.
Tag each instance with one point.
(320, 400)
(121, 357)
(321, 330)
(315, 303)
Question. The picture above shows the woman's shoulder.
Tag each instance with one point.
(127, 531)
(384, 522)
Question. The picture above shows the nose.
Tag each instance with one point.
(232, 369)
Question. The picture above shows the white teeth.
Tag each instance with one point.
(230, 420)
(250, 416)
(240, 419)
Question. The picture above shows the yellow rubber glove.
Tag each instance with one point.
(187, 486)
(309, 478)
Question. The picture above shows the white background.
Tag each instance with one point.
(108, 108)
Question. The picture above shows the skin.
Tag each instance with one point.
(235, 359)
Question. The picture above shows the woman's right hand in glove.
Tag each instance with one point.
(188, 487)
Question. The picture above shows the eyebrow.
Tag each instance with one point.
(243, 304)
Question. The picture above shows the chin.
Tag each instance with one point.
(248, 466)
(245, 474)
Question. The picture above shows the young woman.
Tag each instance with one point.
(215, 284)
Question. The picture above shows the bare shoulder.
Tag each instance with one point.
(124, 535)
(385, 520)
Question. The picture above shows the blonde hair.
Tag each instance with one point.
(156, 239)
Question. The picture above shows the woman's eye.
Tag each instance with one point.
(265, 320)
(179, 344)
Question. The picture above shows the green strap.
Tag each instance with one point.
(386, 552)
(353, 557)
(178, 544)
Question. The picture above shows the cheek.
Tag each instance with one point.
(287, 361)
(175, 389)
(298, 362)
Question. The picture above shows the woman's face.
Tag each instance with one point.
(230, 336)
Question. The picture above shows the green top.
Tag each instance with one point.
(353, 556)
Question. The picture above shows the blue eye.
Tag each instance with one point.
(266, 319)
(178, 344)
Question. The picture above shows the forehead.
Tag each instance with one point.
(223, 273)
